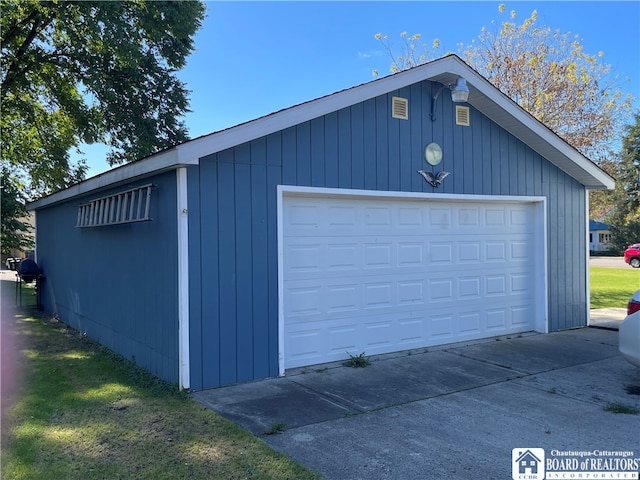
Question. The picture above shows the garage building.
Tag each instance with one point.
(315, 232)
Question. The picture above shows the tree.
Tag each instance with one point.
(625, 219)
(15, 229)
(547, 73)
(76, 72)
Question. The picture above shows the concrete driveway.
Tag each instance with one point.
(452, 412)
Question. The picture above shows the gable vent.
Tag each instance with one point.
(400, 108)
(462, 116)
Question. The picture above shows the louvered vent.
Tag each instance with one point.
(124, 207)
(462, 116)
(400, 108)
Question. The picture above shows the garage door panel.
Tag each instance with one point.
(411, 331)
(342, 256)
(469, 288)
(335, 257)
(311, 300)
(304, 257)
(521, 316)
(377, 255)
(378, 295)
(470, 323)
(411, 292)
(441, 328)
(378, 275)
(379, 334)
(469, 252)
(496, 320)
(304, 303)
(519, 250)
(410, 253)
(332, 216)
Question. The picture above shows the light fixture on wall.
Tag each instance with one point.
(459, 93)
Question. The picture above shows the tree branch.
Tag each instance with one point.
(8, 37)
(12, 73)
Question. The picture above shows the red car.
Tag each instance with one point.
(632, 255)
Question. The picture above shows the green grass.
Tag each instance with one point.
(612, 287)
(85, 413)
(621, 408)
(357, 361)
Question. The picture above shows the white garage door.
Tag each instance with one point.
(383, 274)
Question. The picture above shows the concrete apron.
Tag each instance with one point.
(610, 318)
(450, 412)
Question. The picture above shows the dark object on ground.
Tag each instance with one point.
(28, 270)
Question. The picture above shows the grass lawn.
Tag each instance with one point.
(612, 287)
(85, 413)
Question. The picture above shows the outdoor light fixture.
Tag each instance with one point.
(459, 93)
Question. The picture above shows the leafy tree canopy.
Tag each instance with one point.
(625, 219)
(549, 74)
(545, 71)
(90, 71)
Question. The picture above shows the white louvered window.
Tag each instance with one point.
(125, 207)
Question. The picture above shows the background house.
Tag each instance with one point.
(599, 236)
(303, 236)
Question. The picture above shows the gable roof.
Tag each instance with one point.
(483, 96)
(594, 225)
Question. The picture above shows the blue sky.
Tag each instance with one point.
(254, 58)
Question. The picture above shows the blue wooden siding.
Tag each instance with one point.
(360, 147)
(117, 283)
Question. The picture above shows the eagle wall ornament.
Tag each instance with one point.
(433, 180)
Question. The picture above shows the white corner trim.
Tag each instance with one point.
(587, 255)
(280, 219)
(183, 278)
(542, 298)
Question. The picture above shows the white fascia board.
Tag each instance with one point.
(165, 160)
(246, 132)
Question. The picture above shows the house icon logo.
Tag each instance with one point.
(527, 464)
